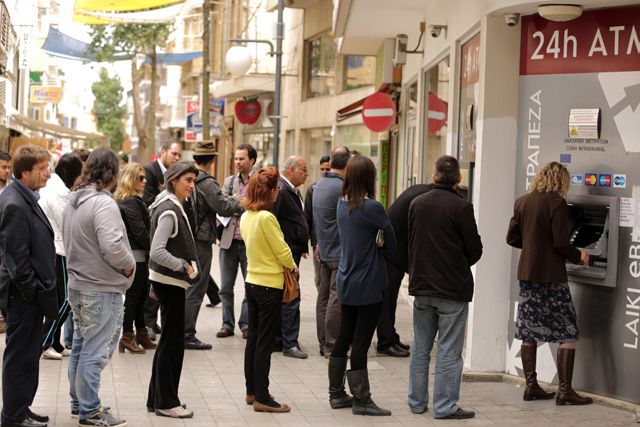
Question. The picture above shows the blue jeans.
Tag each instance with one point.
(229, 261)
(447, 318)
(97, 320)
(290, 317)
(68, 330)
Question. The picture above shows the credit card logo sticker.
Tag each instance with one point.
(604, 180)
(620, 181)
(577, 179)
(591, 179)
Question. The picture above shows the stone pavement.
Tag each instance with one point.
(212, 386)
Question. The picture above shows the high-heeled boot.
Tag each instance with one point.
(127, 341)
(566, 395)
(362, 402)
(142, 337)
(532, 390)
(338, 398)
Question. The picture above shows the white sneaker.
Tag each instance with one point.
(51, 354)
(66, 352)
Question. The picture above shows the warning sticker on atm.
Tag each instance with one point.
(620, 181)
(591, 179)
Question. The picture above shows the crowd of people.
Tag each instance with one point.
(98, 249)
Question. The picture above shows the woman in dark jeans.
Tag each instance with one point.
(365, 230)
(267, 257)
(173, 267)
(545, 310)
(136, 218)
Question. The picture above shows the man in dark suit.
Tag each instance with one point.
(289, 210)
(170, 152)
(27, 284)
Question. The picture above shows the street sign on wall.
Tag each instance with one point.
(379, 112)
(193, 122)
(45, 94)
(248, 112)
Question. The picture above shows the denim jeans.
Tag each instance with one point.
(447, 318)
(229, 261)
(68, 330)
(97, 320)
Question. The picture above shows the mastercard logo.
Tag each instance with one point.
(591, 179)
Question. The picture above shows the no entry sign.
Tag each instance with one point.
(379, 112)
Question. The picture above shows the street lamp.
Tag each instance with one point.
(238, 60)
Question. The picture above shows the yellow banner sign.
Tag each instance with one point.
(45, 94)
(122, 5)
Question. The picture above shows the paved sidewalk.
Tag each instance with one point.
(212, 386)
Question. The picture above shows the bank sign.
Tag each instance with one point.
(590, 63)
(45, 94)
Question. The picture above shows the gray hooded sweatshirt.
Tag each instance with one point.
(96, 243)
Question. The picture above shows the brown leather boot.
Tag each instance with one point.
(532, 390)
(142, 336)
(128, 341)
(566, 394)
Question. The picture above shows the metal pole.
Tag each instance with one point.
(204, 104)
(276, 96)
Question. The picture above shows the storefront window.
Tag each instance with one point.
(317, 143)
(359, 71)
(436, 120)
(321, 66)
(263, 143)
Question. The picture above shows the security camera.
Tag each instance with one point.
(436, 30)
(511, 19)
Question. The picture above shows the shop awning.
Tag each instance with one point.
(20, 122)
(122, 5)
(243, 86)
(355, 108)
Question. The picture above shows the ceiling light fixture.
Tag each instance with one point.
(560, 12)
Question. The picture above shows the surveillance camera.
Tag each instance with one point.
(511, 19)
(435, 30)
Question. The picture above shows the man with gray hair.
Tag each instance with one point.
(289, 210)
(326, 194)
(443, 245)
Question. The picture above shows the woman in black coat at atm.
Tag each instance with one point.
(545, 309)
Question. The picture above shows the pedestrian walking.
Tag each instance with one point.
(289, 211)
(267, 258)
(539, 227)
(53, 199)
(326, 194)
(210, 201)
(135, 216)
(365, 231)
(28, 279)
(101, 268)
(443, 245)
(232, 248)
(173, 267)
(170, 152)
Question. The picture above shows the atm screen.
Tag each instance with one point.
(586, 234)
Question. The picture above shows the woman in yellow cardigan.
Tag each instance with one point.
(267, 257)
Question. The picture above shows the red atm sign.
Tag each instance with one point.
(598, 41)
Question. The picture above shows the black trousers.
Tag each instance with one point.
(151, 307)
(357, 324)
(167, 361)
(21, 362)
(264, 325)
(212, 292)
(387, 335)
(135, 299)
(195, 294)
(52, 328)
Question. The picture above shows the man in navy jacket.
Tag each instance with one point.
(289, 210)
(27, 284)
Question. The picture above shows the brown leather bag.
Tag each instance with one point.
(291, 288)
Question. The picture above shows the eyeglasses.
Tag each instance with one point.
(142, 178)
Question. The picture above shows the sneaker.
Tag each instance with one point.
(103, 418)
(51, 354)
(66, 352)
(75, 413)
(177, 412)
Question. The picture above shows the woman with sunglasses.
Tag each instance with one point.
(136, 219)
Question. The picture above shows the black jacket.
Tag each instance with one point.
(443, 245)
(398, 214)
(308, 213)
(288, 211)
(155, 180)
(136, 219)
(29, 266)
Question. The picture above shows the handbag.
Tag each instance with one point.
(291, 288)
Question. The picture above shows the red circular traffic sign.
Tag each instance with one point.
(379, 112)
(248, 112)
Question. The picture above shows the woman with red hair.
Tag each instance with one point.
(267, 257)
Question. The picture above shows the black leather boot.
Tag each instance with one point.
(362, 402)
(532, 390)
(338, 398)
(566, 394)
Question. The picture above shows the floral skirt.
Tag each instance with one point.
(546, 313)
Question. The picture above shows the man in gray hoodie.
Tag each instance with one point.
(101, 267)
